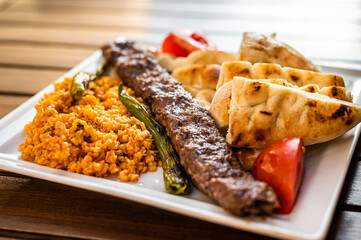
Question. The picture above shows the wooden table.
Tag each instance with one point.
(40, 40)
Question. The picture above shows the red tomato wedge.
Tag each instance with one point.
(281, 166)
(184, 41)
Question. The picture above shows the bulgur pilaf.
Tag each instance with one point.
(96, 136)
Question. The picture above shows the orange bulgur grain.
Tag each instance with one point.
(95, 136)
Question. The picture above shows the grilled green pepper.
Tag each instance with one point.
(81, 80)
(175, 179)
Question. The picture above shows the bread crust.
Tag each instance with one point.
(262, 113)
(326, 84)
(200, 76)
(257, 48)
(220, 105)
(171, 63)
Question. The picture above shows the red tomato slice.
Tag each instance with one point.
(281, 166)
(169, 45)
(184, 41)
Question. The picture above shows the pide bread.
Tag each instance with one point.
(204, 97)
(294, 76)
(232, 69)
(247, 156)
(221, 101)
(221, 104)
(302, 77)
(200, 80)
(307, 80)
(261, 113)
(200, 76)
(335, 92)
(171, 63)
(198, 71)
(257, 48)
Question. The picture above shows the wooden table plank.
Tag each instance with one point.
(60, 35)
(44, 56)
(351, 192)
(26, 81)
(28, 204)
(94, 38)
(42, 207)
(241, 9)
(345, 225)
(4, 4)
(146, 20)
(9, 103)
(322, 44)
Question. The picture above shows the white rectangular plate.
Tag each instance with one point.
(325, 170)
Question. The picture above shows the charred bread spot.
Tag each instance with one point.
(214, 72)
(248, 151)
(337, 80)
(349, 121)
(244, 72)
(256, 86)
(334, 91)
(276, 53)
(319, 117)
(294, 78)
(259, 135)
(341, 111)
(311, 103)
(237, 139)
(266, 113)
(271, 70)
(311, 89)
(259, 47)
(194, 69)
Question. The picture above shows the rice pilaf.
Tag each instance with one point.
(95, 136)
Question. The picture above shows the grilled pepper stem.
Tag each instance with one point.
(175, 179)
(81, 80)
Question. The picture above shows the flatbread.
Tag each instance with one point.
(257, 48)
(221, 104)
(200, 76)
(247, 156)
(302, 77)
(326, 84)
(294, 76)
(171, 63)
(261, 113)
(204, 97)
(232, 69)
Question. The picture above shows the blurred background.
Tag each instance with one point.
(40, 40)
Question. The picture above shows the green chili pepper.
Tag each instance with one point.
(80, 82)
(175, 179)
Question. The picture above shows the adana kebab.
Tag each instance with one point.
(203, 151)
